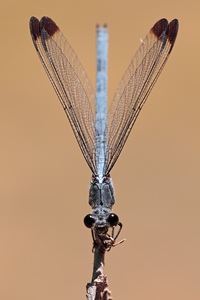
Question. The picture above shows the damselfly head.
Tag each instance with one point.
(99, 223)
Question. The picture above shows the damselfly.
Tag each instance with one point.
(101, 136)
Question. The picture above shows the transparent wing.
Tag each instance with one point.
(69, 81)
(136, 85)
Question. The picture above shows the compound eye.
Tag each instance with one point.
(89, 221)
(113, 220)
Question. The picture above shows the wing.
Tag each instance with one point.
(136, 85)
(69, 81)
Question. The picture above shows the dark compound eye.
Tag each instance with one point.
(89, 221)
(113, 220)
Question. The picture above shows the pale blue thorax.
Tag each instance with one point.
(101, 101)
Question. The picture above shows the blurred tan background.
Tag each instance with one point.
(45, 250)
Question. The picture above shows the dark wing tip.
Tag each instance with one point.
(159, 27)
(49, 26)
(34, 28)
(98, 26)
(172, 31)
